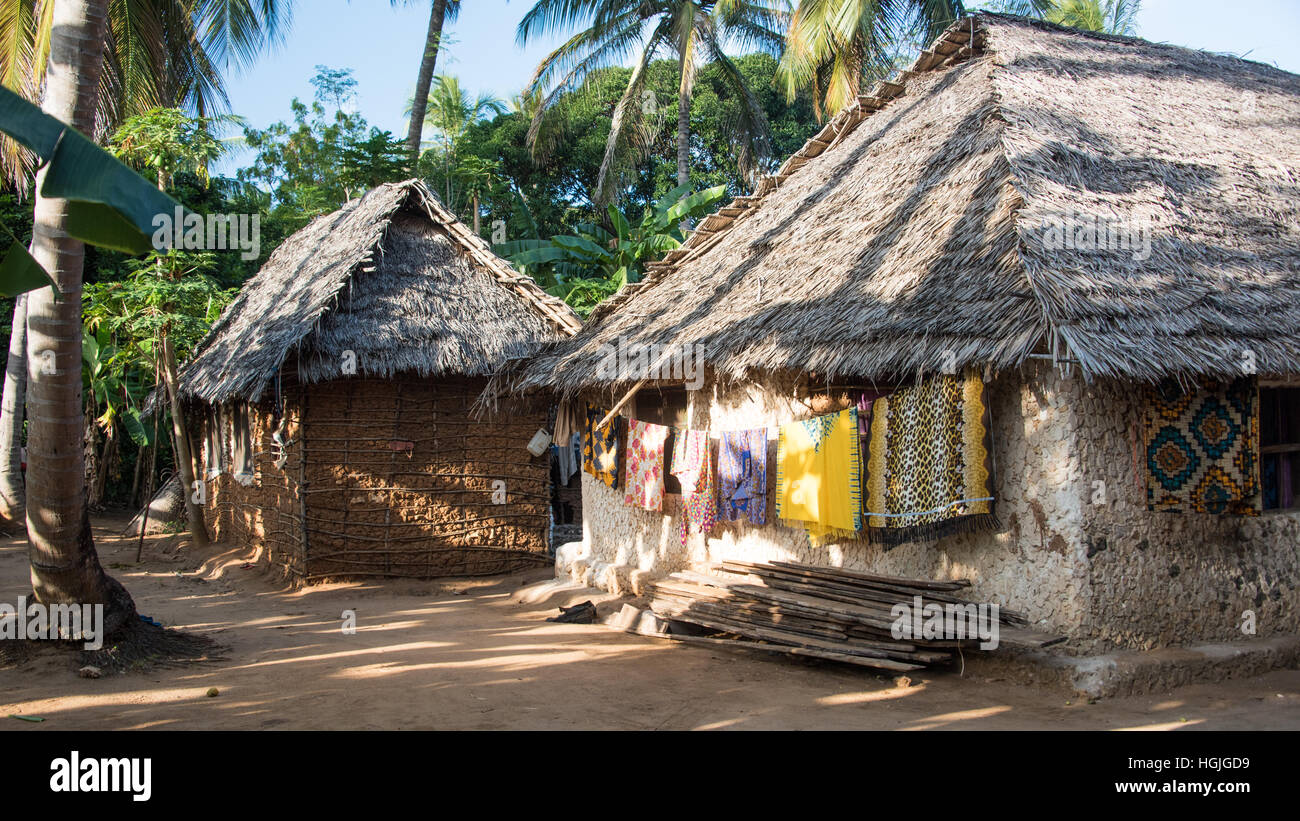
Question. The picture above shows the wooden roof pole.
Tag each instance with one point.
(663, 357)
(626, 397)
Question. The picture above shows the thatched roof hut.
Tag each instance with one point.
(1024, 193)
(334, 398)
(915, 231)
(432, 300)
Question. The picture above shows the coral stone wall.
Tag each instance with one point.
(1108, 574)
(1163, 578)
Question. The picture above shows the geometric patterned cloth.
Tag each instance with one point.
(1201, 447)
(693, 467)
(600, 446)
(644, 460)
(742, 475)
(817, 475)
(928, 469)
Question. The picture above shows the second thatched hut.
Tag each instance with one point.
(334, 392)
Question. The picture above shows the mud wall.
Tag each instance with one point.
(265, 510)
(401, 482)
(1169, 578)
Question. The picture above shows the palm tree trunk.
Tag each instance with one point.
(683, 138)
(12, 494)
(428, 61)
(184, 461)
(476, 222)
(64, 565)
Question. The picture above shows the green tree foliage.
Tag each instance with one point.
(593, 263)
(535, 198)
(165, 141)
(1104, 16)
(449, 114)
(612, 32)
(315, 163)
(160, 53)
(835, 48)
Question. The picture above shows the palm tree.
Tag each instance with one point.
(61, 549)
(834, 47)
(692, 31)
(12, 495)
(449, 112)
(158, 54)
(1104, 16)
(442, 12)
(155, 54)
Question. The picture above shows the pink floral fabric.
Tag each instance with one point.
(644, 465)
(693, 467)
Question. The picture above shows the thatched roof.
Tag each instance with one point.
(910, 233)
(393, 277)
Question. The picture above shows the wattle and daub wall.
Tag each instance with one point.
(390, 478)
(1077, 551)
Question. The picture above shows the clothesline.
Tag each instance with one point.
(912, 464)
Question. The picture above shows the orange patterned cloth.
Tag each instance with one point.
(644, 460)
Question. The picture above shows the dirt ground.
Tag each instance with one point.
(478, 654)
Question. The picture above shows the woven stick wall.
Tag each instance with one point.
(268, 511)
(400, 482)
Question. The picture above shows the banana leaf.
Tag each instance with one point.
(110, 205)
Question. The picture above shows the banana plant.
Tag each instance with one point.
(110, 205)
(110, 389)
(591, 264)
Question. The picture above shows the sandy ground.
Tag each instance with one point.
(477, 654)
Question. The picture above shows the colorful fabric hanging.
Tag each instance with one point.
(600, 447)
(1201, 446)
(693, 467)
(742, 475)
(865, 403)
(644, 457)
(817, 474)
(928, 471)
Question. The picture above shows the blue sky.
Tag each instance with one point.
(382, 45)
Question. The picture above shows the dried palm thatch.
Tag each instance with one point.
(914, 231)
(394, 278)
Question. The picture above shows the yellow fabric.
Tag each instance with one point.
(817, 474)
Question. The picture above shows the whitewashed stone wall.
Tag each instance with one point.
(1107, 575)
(1159, 579)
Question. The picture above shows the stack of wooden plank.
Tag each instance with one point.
(822, 612)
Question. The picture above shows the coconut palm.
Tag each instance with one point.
(1105, 16)
(155, 54)
(691, 31)
(449, 112)
(440, 13)
(158, 54)
(64, 565)
(835, 47)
